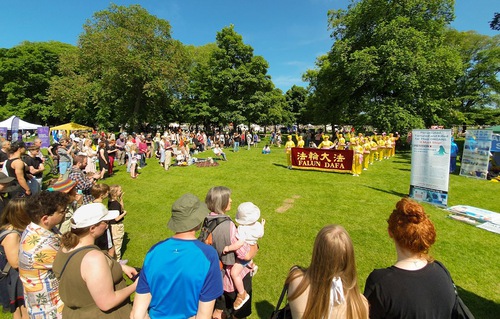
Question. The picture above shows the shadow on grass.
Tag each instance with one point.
(126, 239)
(402, 161)
(402, 158)
(264, 309)
(479, 306)
(312, 170)
(280, 165)
(387, 191)
(404, 169)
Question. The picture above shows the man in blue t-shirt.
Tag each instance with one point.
(453, 155)
(180, 277)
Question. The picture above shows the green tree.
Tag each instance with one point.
(478, 85)
(136, 70)
(278, 111)
(235, 79)
(484, 116)
(389, 66)
(197, 100)
(73, 93)
(495, 22)
(296, 97)
(25, 73)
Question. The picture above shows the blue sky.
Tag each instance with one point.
(289, 34)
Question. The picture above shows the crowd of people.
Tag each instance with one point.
(366, 149)
(70, 275)
(172, 147)
(64, 245)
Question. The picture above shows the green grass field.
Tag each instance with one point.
(308, 200)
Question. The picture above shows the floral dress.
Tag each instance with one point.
(37, 252)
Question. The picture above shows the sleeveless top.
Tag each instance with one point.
(11, 171)
(78, 302)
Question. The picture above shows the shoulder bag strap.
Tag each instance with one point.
(282, 296)
(447, 273)
(7, 267)
(460, 309)
(285, 290)
(71, 256)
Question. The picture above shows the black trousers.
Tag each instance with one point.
(226, 301)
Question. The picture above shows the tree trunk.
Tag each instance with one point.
(137, 108)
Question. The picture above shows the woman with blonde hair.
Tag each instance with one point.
(91, 157)
(133, 159)
(329, 287)
(115, 202)
(12, 223)
(416, 286)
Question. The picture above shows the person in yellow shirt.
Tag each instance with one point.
(393, 143)
(374, 150)
(381, 147)
(341, 142)
(388, 147)
(326, 144)
(300, 141)
(367, 147)
(288, 150)
(358, 156)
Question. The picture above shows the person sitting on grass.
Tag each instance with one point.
(219, 152)
(249, 231)
(266, 149)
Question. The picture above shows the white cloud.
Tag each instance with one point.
(285, 82)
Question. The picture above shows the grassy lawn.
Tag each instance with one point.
(296, 204)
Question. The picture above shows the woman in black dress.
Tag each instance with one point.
(103, 158)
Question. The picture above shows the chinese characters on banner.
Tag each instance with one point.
(430, 166)
(476, 154)
(322, 159)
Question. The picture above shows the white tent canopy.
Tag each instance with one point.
(22, 124)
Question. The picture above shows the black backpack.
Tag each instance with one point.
(208, 227)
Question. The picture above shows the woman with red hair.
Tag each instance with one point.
(416, 286)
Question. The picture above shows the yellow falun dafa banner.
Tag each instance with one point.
(322, 159)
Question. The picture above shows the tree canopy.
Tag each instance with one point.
(495, 22)
(236, 79)
(478, 84)
(393, 65)
(133, 72)
(25, 74)
(389, 66)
